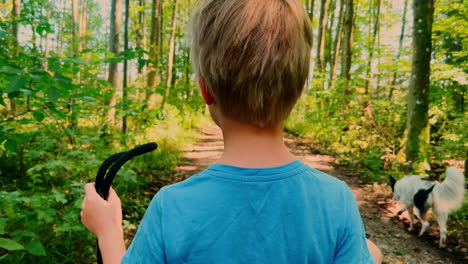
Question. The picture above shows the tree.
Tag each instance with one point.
(15, 12)
(376, 12)
(347, 44)
(170, 57)
(336, 46)
(140, 32)
(83, 25)
(400, 45)
(154, 52)
(418, 96)
(321, 35)
(113, 78)
(125, 70)
(75, 28)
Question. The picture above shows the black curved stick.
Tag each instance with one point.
(104, 180)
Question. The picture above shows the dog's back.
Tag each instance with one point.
(408, 186)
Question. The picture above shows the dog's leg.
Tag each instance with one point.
(442, 221)
(425, 224)
(411, 217)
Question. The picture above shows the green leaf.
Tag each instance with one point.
(400, 252)
(38, 115)
(16, 83)
(10, 70)
(11, 145)
(35, 247)
(10, 244)
(2, 225)
(54, 93)
(76, 61)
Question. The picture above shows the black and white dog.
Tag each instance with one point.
(443, 198)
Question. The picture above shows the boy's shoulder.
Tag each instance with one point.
(217, 175)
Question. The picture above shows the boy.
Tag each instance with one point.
(257, 204)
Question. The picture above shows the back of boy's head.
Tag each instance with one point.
(253, 56)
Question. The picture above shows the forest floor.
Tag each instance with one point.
(377, 208)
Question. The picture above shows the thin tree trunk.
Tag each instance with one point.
(170, 59)
(400, 45)
(61, 29)
(336, 48)
(46, 46)
(140, 33)
(373, 38)
(113, 78)
(16, 11)
(329, 35)
(321, 35)
(347, 44)
(83, 25)
(154, 53)
(418, 96)
(75, 28)
(125, 70)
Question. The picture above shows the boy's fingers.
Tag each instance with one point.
(89, 188)
(90, 191)
(113, 197)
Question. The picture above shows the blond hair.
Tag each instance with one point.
(253, 56)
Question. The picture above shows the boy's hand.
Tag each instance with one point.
(101, 217)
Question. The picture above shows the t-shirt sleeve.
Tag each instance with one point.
(351, 245)
(147, 245)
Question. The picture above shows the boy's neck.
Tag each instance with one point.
(251, 147)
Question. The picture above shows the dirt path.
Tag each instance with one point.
(377, 210)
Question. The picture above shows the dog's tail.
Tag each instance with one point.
(449, 195)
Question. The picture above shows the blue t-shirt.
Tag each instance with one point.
(225, 214)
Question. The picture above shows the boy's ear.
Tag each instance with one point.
(207, 96)
(392, 183)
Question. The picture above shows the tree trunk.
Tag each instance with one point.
(15, 12)
(75, 28)
(418, 97)
(347, 44)
(140, 33)
(46, 45)
(170, 58)
(113, 78)
(61, 29)
(373, 38)
(154, 53)
(400, 45)
(125, 70)
(329, 36)
(321, 35)
(336, 48)
(83, 25)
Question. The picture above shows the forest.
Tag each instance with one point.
(83, 79)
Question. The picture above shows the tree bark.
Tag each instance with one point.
(83, 25)
(170, 58)
(347, 44)
(75, 28)
(125, 70)
(113, 78)
(321, 35)
(373, 38)
(336, 47)
(418, 97)
(15, 12)
(154, 53)
(140, 33)
(400, 45)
